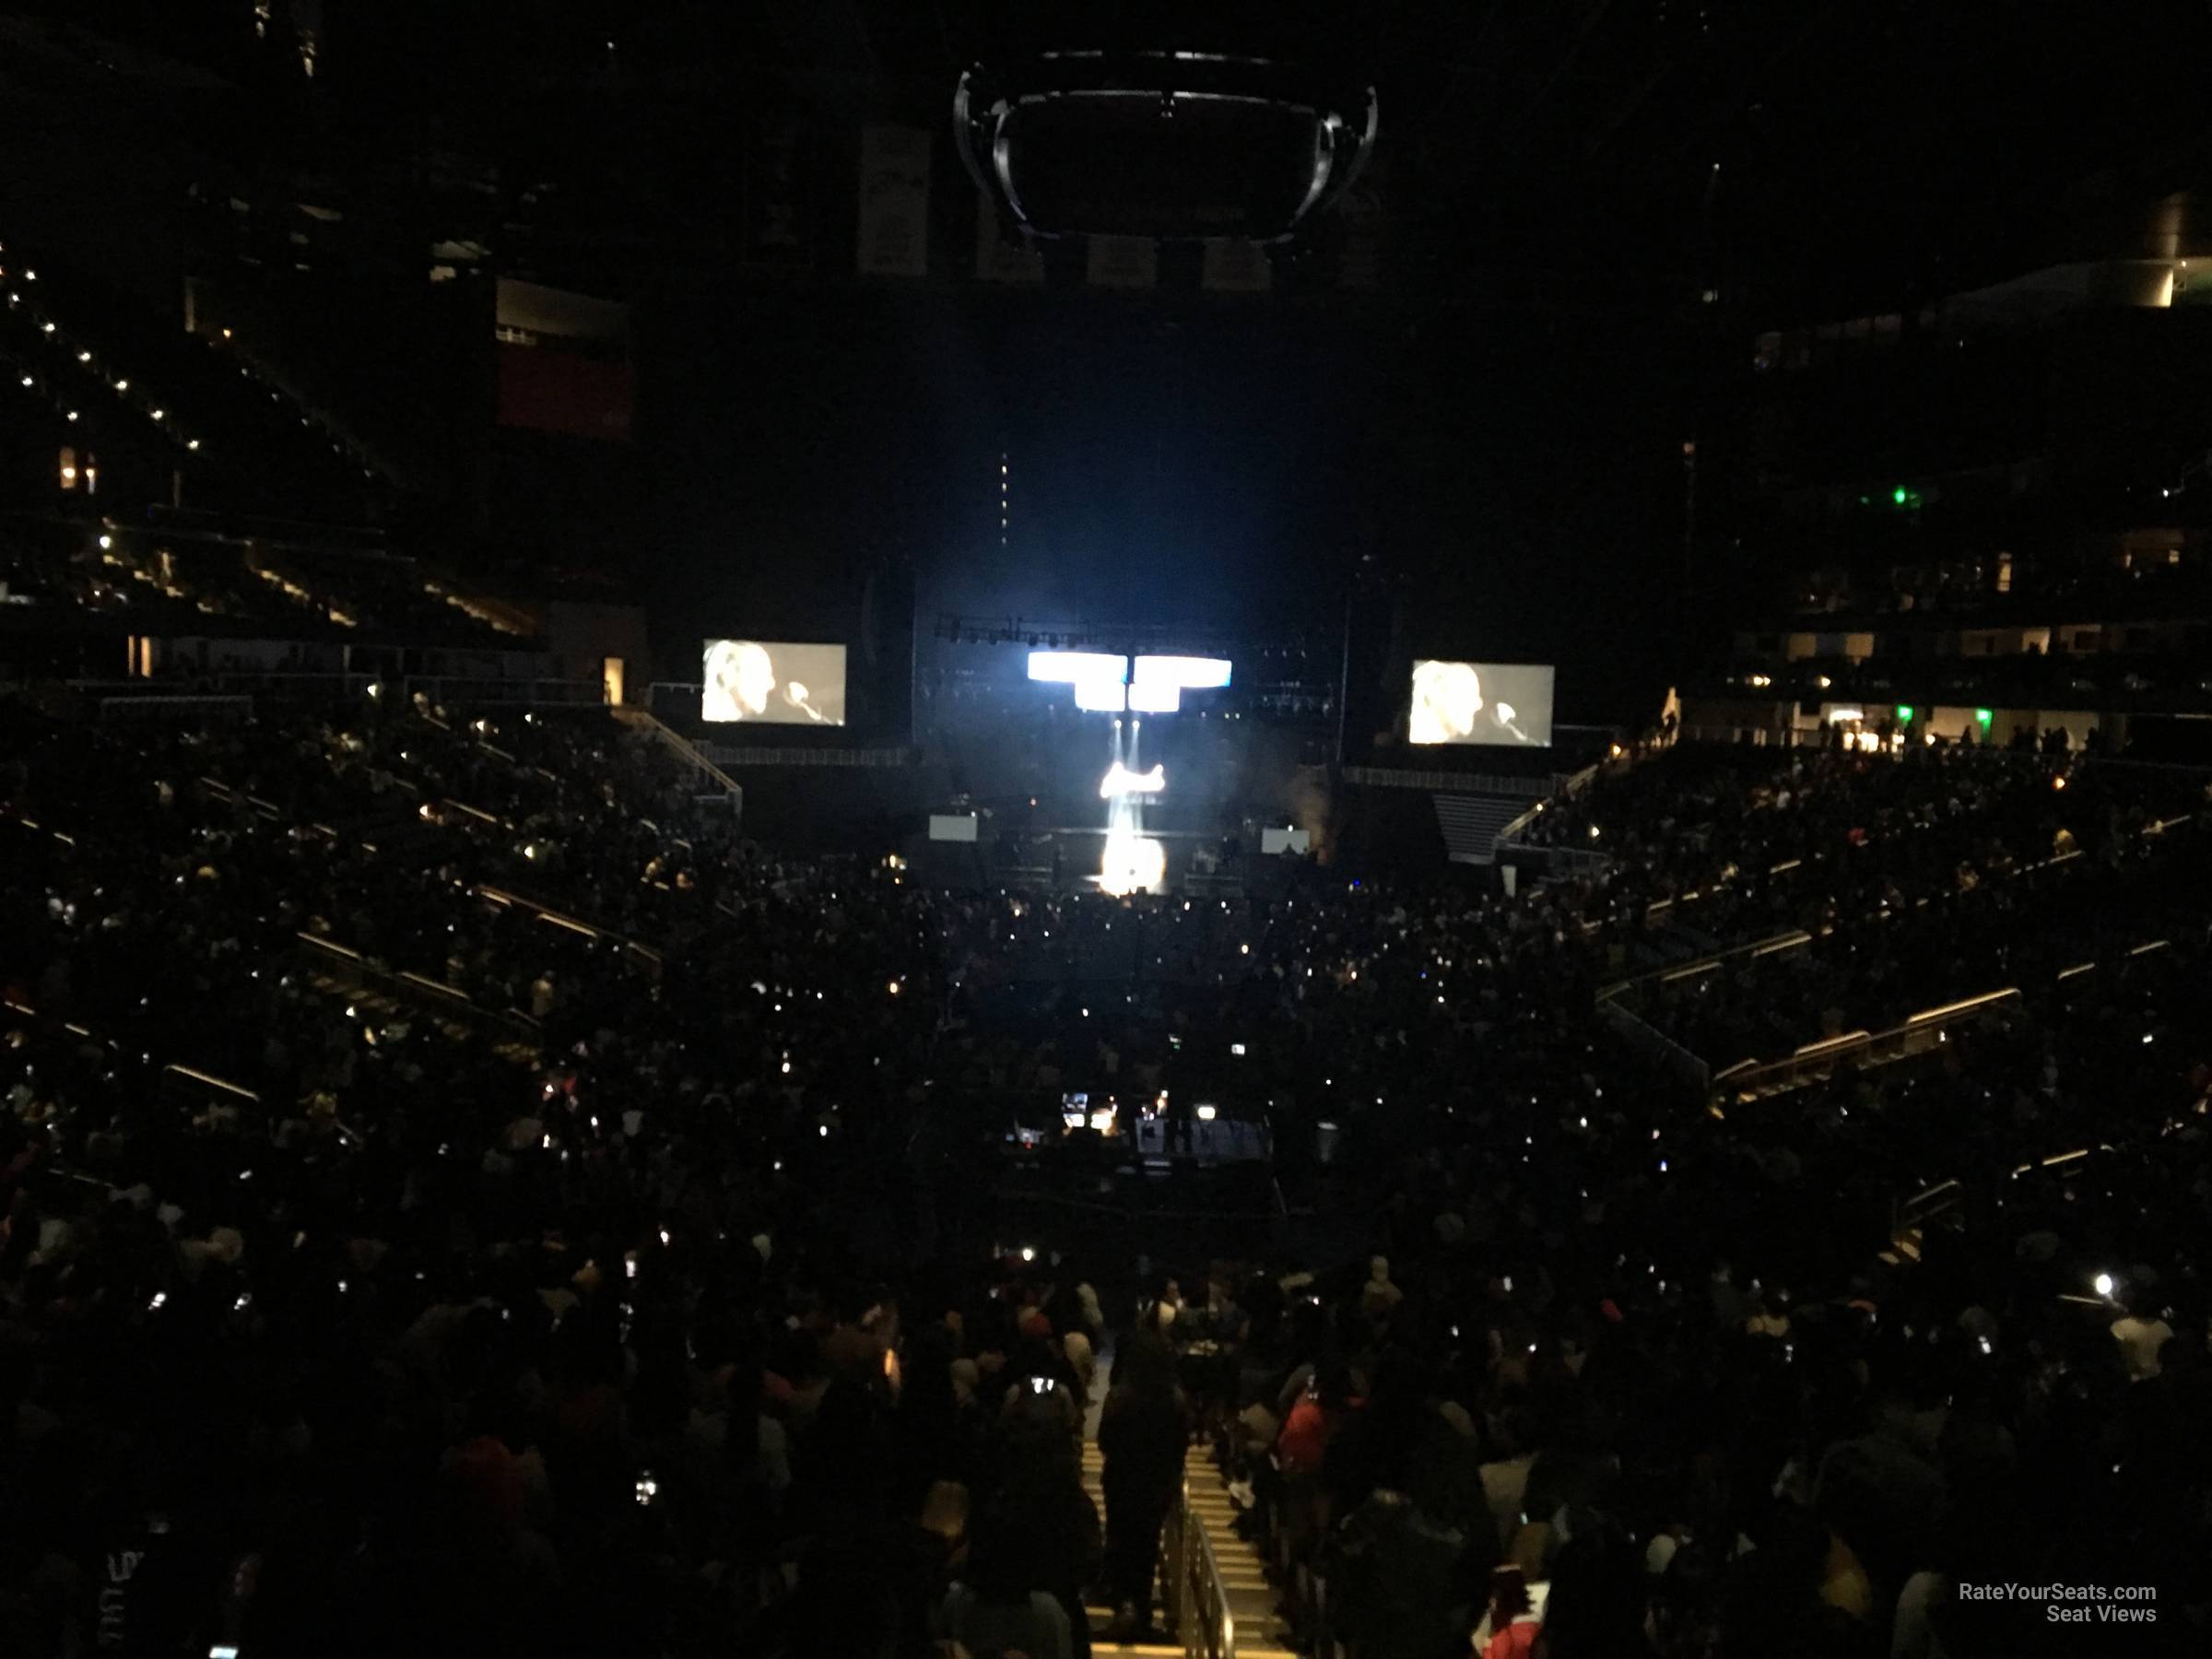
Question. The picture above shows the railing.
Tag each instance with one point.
(682, 748)
(232, 707)
(1921, 1034)
(1555, 861)
(766, 756)
(573, 693)
(359, 541)
(1451, 782)
(292, 681)
(1564, 789)
(1656, 1049)
(1514, 831)
(1196, 1600)
(574, 923)
(209, 1099)
(350, 970)
(1796, 938)
(1909, 1216)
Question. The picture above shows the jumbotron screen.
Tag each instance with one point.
(773, 682)
(1480, 702)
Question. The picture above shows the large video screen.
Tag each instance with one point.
(1480, 702)
(1104, 686)
(773, 682)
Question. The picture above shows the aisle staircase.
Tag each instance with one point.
(1471, 824)
(1258, 1630)
(709, 778)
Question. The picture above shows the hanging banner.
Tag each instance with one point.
(1236, 265)
(776, 233)
(894, 202)
(1123, 262)
(563, 362)
(998, 256)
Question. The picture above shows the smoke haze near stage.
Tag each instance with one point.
(773, 682)
(1506, 703)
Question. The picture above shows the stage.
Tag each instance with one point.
(1065, 859)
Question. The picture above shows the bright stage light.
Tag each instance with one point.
(1104, 685)
(1073, 667)
(1097, 677)
(1120, 781)
(1154, 697)
(1100, 695)
(1185, 672)
(1159, 682)
(1131, 863)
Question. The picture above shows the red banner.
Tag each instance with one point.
(564, 362)
(551, 390)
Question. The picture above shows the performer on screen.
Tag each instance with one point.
(1447, 702)
(740, 678)
(741, 682)
(1446, 697)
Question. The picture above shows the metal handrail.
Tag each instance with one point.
(1454, 783)
(433, 996)
(1917, 1035)
(1563, 789)
(767, 755)
(460, 689)
(1795, 938)
(176, 703)
(677, 744)
(1197, 1596)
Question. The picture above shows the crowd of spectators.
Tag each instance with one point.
(461, 1197)
(194, 583)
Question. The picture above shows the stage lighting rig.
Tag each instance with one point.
(1167, 138)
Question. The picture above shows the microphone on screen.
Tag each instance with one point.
(795, 694)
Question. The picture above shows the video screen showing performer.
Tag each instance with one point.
(772, 683)
(1480, 702)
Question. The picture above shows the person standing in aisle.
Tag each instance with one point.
(1142, 1434)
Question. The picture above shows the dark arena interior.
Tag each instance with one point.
(935, 830)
